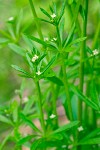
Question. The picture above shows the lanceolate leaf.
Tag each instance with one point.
(21, 70)
(45, 12)
(90, 141)
(69, 37)
(66, 127)
(77, 41)
(55, 80)
(29, 122)
(25, 139)
(5, 120)
(84, 98)
(94, 133)
(17, 49)
(37, 40)
(62, 10)
(35, 144)
(49, 64)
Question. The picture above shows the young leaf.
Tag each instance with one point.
(29, 122)
(24, 139)
(5, 120)
(70, 35)
(36, 144)
(55, 80)
(17, 49)
(90, 141)
(4, 141)
(4, 40)
(45, 12)
(29, 60)
(21, 70)
(15, 111)
(77, 41)
(19, 21)
(28, 106)
(49, 64)
(92, 134)
(66, 127)
(37, 40)
(62, 10)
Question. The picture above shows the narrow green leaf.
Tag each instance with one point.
(62, 10)
(69, 37)
(4, 40)
(55, 80)
(45, 12)
(21, 70)
(84, 98)
(5, 120)
(17, 49)
(2, 144)
(66, 127)
(37, 40)
(29, 60)
(19, 21)
(77, 41)
(90, 141)
(49, 64)
(35, 144)
(28, 106)
(29, 122)
(28, 41)
(15, 111)
(96, 132)
(93, 92)
(24, 139)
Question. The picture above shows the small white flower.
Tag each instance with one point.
(63, 146)
(46, 39)
(38, 73)
(52, 116)
(35, 57)
(70, 147)
(53, 16)
(11, 19)
(25, 99)
(80, 128)
(95, 52)
(55, 39)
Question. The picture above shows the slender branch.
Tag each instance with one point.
(82, 55)
(36, 19)
(40, 107)
(65, 81)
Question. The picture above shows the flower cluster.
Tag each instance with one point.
(35, 58)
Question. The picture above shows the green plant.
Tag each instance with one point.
(57, 66)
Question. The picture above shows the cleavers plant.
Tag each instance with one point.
(63, 70)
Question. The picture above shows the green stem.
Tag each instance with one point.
(36, 19)
(55, 91)
(82, 55)
(97, 33)
(40, 107)
(58, 37)
(65, 81)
